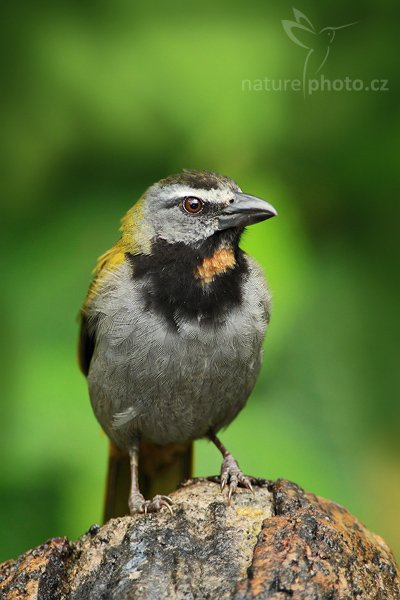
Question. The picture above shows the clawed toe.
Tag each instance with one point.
(232, 476)
(157, 504)
(139, 505)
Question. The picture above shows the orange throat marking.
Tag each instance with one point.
(221, 261)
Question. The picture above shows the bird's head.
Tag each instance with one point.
(192, 207)
(329, 33)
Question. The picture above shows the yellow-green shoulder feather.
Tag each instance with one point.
(135, 238)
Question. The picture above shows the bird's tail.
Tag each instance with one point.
(161, 469)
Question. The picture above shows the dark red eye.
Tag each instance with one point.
(192, 205)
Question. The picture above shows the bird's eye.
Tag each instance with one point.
(192, 205)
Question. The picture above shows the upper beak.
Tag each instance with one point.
(245, 210)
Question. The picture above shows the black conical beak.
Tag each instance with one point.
(244, 210)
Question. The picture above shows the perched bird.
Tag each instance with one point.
(171, 334)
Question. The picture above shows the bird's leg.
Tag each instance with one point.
(230, 471)
(137, 503)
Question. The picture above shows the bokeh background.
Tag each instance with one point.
(101, 99)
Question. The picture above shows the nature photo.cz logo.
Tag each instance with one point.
(317, 44)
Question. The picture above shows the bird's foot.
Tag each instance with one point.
(232, 476)
(137, 504)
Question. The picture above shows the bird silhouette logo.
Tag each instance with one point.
(318, 43)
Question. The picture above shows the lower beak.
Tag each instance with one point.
(245, 210)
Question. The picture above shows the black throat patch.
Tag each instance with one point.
(174, 285)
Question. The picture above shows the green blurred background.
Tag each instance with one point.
(101, 99)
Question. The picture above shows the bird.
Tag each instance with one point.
(171, 335)
(318, 43)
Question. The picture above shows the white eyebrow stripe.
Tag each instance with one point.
(180, 191)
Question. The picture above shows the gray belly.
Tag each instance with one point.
(172, 385)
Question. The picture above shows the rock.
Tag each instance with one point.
(279, 543)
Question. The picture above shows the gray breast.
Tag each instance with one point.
(172, 384)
